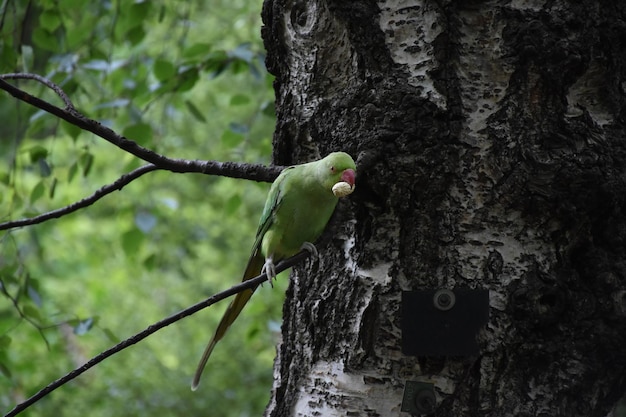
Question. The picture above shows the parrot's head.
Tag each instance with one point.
(339, 173)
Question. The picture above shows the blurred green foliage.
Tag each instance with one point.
(187, 80)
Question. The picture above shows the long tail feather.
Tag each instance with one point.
(232, 312)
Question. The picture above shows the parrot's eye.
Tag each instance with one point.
(332, 169)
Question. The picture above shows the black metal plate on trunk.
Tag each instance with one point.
(443, 322)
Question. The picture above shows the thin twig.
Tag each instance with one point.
(85, 202)
(251, 283)
(4, 290)
(51, 85)
(255, 172)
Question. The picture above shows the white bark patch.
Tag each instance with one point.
(535, 5)
(410, 26)
(484, 77)
(301, 60)
(329, 391)
(443, 384)
(349, 243)
(321, 52)
(379, 274)
(498, 300)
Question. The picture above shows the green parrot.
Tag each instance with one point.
(298, 207)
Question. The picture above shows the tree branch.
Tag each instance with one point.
(251, 283)
(51, 85)
(85, 202)
(255, 172)
(14, 300)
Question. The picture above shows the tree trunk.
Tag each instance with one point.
(491, 155)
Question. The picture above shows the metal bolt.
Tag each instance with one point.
(418, 398)
(425, 401)
(444, 300)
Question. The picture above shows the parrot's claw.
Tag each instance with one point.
(270, 270)
(308, 246)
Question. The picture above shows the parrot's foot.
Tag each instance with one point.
(269, 269)
(308, 246)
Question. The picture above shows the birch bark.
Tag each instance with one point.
(491, 154)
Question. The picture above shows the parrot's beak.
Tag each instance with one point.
(348, 176)
(346, 185)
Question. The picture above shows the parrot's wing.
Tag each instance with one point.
(272, 203)
(255, 263)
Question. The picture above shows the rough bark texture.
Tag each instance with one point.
(491, 150)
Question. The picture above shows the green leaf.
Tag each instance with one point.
(195, 112)
(253, 331)
(239, 100)
(268, 109)
(131, 242)
(216, 62)
(77, 34)
(70, 4)
(45, 40)
(111, 336)
(163, 70)
(232, 204)
(37, 152)
(140, 133)
(50, 20)
(17, 200)
(71, 172)
(86, 161)
(4, 370)
(31, 312)
(135, 35)
(162, 13)
(150, 262)
(188, 78)
(46, 4)
(72, 130)
(5, 341)
(196, 51)
(8, 58)
(237, 66)
(9, 270)
(37, 192)
(231, 139)
(53, 188)
(138, 11)
(130, 21)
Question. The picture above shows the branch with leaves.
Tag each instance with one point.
(251, 283)
(255, 172)
(157, 161)
(85, 202)
(77, 77)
